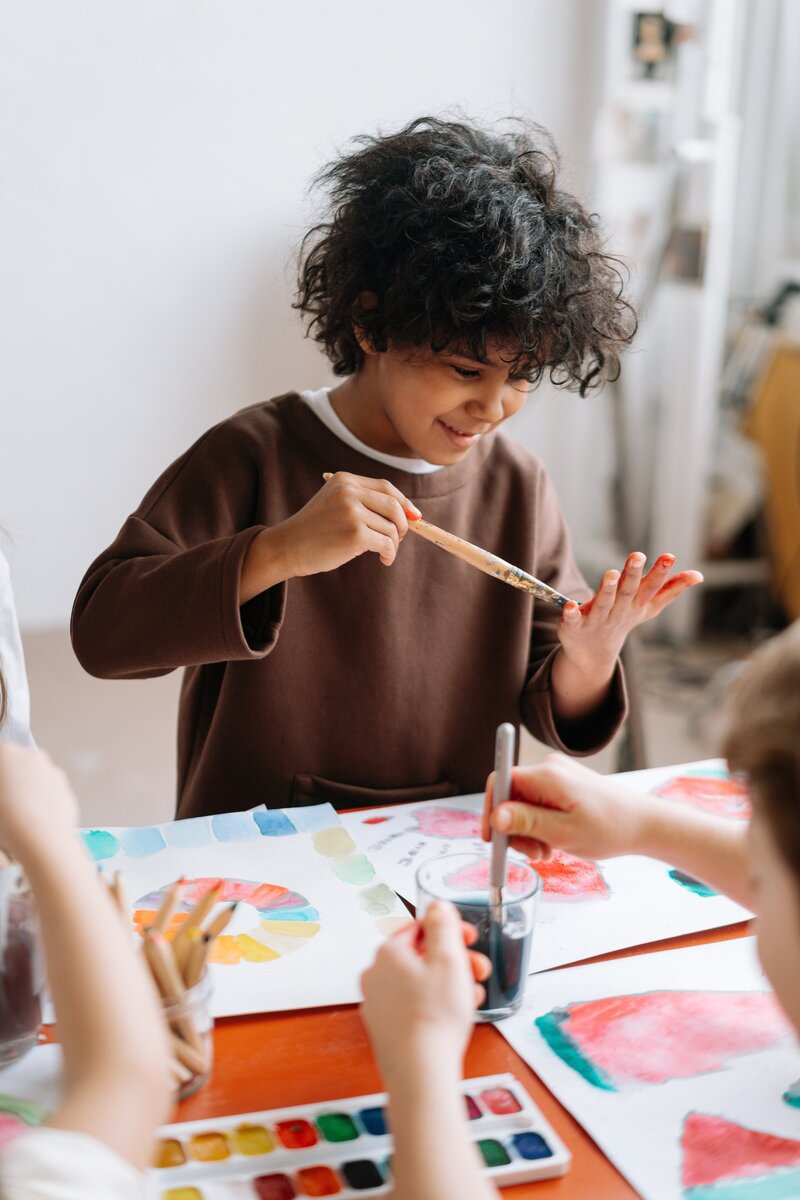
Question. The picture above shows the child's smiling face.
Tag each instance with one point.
(434, 406)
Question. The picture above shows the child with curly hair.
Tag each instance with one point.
(451, 275)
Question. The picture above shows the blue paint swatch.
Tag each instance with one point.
(190, 834)
(532, 1145)
(273, 822)
(141, 840)
(234, 826)
(100, 843)
(316, 816)
(373, 1121)
(294, 914)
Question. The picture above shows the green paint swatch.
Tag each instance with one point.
(337, 1127)
(493, 1153)
(379, 900)
(356, 868)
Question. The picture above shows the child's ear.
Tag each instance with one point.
(364, 302)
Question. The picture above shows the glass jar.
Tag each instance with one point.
(505, 929)
(191, 1028)
(22, 975)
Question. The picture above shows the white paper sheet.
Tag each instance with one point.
(679, 1080)
(303, 938)
(586, 908)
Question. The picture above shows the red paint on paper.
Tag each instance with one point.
(658, 1036)
(716, 1150)
(448, 822)
(718, 794)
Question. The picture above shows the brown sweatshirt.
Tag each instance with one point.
(363, 685)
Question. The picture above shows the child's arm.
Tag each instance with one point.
(418, 1008)
(116, 1083)
(564, 805)
(592, 634)
(349, 516)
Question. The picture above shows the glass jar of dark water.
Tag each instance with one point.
(505, 929)
(22, 975)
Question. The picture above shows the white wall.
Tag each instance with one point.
(153, 161)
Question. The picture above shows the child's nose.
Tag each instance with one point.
(494, 402)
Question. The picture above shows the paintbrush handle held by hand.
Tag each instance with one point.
(489, 563)
(503, 765)
(482, 560)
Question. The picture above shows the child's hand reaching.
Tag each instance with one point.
(421, 992)
(592, 634)
(563, 805)
(36, 800)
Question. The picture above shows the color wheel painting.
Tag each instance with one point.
(724, 1161)
(285, 921)
(624, 1041)
(310, 904)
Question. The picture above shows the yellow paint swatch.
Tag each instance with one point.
(168, 1153)
(252, 1139)
(294, 929)
(209, 1147)
(333, 843)
(254, 951)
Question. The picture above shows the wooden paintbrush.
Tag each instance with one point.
(483, 560)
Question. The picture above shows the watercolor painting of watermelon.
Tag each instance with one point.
(619, 1042)
(586, 908)
(679, 1064)
(724, 1161)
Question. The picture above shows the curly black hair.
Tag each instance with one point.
(448, 235)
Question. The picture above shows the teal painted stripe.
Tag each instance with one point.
(550, 1027)
(778, 1185)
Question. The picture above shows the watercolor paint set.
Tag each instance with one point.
(342, 1148)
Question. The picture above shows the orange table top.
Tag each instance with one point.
(283, 1059)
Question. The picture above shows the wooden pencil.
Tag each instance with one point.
(195, 963)
(168, 905)
(197, 916)
(221, 920)
(483, 560)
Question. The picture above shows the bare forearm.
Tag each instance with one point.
(265, 564)
(109, 1021)
(426, 1112)
(577, 692)
(712, 849)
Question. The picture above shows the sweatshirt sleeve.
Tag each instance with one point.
(555, 565)
(165, 593)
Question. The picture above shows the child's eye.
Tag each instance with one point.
(464, 372)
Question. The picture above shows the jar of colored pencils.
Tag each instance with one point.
(22, 972)
(191, 1028)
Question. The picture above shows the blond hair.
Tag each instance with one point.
(763, 737)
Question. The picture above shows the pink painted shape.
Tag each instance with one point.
(658, 1036)
(715, 794)
(448, 822)
(716, 1150)
(565, 877)
(475, 878)
(374, 820)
